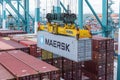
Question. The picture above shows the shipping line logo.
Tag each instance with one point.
(42, 40)
(54, 43)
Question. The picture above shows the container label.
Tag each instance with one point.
(57, 44)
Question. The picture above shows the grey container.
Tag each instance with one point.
(66, 46)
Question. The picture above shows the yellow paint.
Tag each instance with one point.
(67, 29)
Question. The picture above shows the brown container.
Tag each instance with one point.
(67, 64)
(92, 76)
(109, 77)
(98, 44)
(58, 62)
(33, 47)
(77, 74)
(110, 44)
(49, 61)
(99, 57)
(109, 68)
(93, 67)
(110, 57)
(18, 39)
(5, 74)
(11, 45)
(76, 64)
(5, 33)
(15, 66)
(38, 65)
(67, 74)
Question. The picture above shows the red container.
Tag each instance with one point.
(5, 74)
(33, 47)
(76, 64)
(109, 68)
(67, 64)
(77, 74)
(49, 61)
(110, 57)
(67, 74)
(109, 77)
(110, 44)
(92, 76)
(43, 68)
(99, 57)
(15, 66)
(11, 45)
(5, 33)
(18, 39)
(98, 44)
(93, 67)
(58, 62)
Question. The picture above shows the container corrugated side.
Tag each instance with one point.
(65, 46)
(5, 74)
(37, 64)
(15, 66)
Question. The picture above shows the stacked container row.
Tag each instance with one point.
(6, 33)
(101, 65)
(34, 50)
(25, 67)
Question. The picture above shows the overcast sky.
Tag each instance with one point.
(97, 5)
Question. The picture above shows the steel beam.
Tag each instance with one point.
(104, 12)
(11, 14)
(118, 65)
(4, 15)
(18, 19)
(15, 10)
(27, 19)
(26, 11)
(37, 15)
(80, 13)
(63, 7)
(94, 13)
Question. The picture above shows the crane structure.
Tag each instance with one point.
(21, 21)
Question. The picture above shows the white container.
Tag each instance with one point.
(66, 46)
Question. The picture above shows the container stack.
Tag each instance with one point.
(17, 65)
(109, 59)
(6, 33)
(69, 70)
(101, 65)
(32, 45)
(7, 45)
(34, 51)
(96, 67)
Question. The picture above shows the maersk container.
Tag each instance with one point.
(66, 46)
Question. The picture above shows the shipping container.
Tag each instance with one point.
(5, 74)
(91, 76)
(110, 56)
(15, 66)
(94, 68)
(110, 44)
(5, 33)
(41, 67)
(46, 55)
(33, 47)
(66, 46)
(18, 39)
(98, 44)
(58, 62)
(109, 76)
(99, 56)
(11, 45)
